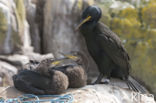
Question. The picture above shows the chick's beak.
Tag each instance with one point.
(83, 21)
(71, 57)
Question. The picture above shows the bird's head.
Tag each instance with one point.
(90, 15)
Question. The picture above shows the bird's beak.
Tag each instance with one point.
(71, 57)
(56, 62)
(83, 21)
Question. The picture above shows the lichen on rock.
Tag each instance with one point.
(3, 27)
(20, 13)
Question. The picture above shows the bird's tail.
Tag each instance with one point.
(135, 86)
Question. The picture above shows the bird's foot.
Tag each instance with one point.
(106, 81)
(93, 83)
(96, 82)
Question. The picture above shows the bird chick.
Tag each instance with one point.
(77, 76)
(43, 67)
(32, 82)
(73, 67)
(70, 65)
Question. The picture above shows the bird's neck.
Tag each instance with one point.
(88, 28)
(89, 25)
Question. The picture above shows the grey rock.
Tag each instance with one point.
(94, 94)
(6, 73)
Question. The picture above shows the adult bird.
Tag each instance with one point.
(106, 48)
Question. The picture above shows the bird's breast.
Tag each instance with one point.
(91, 42)
(93, 48)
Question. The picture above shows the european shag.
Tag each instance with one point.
(105, 47)
(32, 82)
(71, 65)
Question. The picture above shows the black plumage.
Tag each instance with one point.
(32, 82)
(104, 46)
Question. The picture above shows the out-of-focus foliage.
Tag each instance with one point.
(149, 15)
(137, 29)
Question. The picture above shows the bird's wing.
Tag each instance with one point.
(112, 46)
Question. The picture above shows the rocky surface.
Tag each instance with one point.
(48, 26)
(43, 25)
(14, 29)
(8, 27)
(33, 20)
(60, 18)
(94, 94)
(6, 72)
(9, 65)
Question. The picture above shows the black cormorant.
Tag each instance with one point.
(105, 47)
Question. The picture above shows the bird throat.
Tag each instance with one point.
(88, 29)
